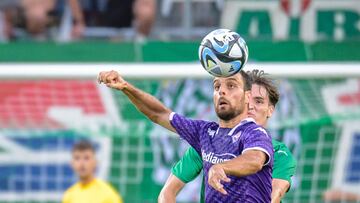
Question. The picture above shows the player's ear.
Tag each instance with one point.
(270, 111)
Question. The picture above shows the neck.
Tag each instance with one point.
(234, 121)
(86, 180)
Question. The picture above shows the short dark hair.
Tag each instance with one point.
(259, 77)
(246, 79)
(83, 145)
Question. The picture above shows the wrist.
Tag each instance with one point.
(222, 167)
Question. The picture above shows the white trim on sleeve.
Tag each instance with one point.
(260, 149)
(171, 116)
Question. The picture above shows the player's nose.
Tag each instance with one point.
(251, 106)
(222, 91)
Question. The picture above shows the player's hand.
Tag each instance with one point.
(112, 79)
(216, 175)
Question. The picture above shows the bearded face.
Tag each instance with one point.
(229, 97)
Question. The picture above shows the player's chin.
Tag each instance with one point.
(225, 114)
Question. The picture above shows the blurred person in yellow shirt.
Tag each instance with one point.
(88, 189)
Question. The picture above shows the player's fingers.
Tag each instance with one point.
(220, 187)
(108, 77)
(212, 181)
(100, 77)
(223, 191)
(118, 86)
(224, 178)
(114, 76)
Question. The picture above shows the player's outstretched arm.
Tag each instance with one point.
(144, 102)
(170, 190)
(248, 163)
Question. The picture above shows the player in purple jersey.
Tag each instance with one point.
(237, 153)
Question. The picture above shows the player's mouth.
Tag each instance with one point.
(223, 102)
(251, 115)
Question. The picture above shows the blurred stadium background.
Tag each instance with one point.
(49, 98)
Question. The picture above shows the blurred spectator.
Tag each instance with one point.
(88, 188)
(36, 13)
(144, 12)
(6, 10)
(125, 13)
(34, 16)
(139, 14)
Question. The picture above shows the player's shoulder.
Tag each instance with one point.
(283, 153)
(72, 189)
(250, 126)
(103, 184)
(179, 117)
(106, 187)
(278, 145)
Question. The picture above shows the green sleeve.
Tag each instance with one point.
(189, 166)
(284, 162)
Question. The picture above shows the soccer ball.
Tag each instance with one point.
(223, 53)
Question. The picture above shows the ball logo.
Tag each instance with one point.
(228, 38)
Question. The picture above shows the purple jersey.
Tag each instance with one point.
(217, 144)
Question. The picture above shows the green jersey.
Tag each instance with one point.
(190, 165)
(284, 162)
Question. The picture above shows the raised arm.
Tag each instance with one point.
(144, 102)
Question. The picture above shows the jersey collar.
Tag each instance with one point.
(246, 120)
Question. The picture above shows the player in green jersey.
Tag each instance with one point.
(264, 97)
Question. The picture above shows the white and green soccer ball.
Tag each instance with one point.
(223, 53)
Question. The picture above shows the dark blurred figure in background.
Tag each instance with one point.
(128, 13)
(137, 14)
(35, 16)
(7, 8)
(144, 12)
(36, 13)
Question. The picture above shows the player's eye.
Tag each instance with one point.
(231, 86)
(216, 87)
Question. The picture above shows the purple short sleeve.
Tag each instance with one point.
(188, 129)
(258, 139)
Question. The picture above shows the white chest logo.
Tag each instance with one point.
(211, 132)
(236, 137)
